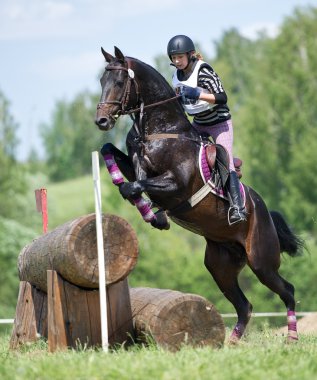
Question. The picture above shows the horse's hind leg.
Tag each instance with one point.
(265, 264)
(225, 265)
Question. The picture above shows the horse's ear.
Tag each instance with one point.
(108, 56)
(118, 54)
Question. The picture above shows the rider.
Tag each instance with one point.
(204, 98)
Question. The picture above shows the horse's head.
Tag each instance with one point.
(117, 94)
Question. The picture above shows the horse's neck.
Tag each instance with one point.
(167, 117)
(162, 120)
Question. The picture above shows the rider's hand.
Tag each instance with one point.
(191, 93)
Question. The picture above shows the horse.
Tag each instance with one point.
(162, 162)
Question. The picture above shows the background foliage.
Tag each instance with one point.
(272, 90)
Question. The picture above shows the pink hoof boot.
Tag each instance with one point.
(292, 335)
(236, 334)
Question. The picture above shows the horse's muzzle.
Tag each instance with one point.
(104, 116)
(102, 123)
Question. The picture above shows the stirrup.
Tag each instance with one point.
(241, 215)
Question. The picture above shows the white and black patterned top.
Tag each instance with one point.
(208, 79)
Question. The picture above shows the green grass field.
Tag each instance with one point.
(261, 355)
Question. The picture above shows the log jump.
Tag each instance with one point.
(59, 296)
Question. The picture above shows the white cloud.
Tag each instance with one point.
(252, 31)
(20, 19)
(69, 66)
(40, 19)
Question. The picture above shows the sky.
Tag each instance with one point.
(50, 49)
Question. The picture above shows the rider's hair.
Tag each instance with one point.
(197, 55)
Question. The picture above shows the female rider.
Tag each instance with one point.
(204, 98)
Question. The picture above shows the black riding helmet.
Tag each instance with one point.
(180, 44)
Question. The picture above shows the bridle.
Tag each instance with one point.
(142, 135)
(126, 95)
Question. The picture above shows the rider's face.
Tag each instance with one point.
(180, 61)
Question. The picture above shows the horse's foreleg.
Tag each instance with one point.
(159, 219)
(123, 162)
(162, 185)
(225, 266)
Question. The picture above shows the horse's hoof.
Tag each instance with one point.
(233, 341)
(291, 339)
(161, 221)
(130, 190)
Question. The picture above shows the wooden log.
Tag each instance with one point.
(173, 318)
(74, 314)
(71, 250)
(31, 316)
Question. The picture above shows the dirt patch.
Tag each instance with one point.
(305, 325)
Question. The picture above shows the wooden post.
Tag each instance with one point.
(41, 206)
(31, 316)
(74, 314)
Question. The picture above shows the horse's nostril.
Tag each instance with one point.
(101, 121)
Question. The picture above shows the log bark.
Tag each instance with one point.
(174, 319)
(71, 250)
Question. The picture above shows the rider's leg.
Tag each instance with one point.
(222, 134)
(237, 211)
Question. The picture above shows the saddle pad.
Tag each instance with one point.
(206, 177)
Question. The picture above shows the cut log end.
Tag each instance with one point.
(174, 319)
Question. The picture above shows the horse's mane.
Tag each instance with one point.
(155, 75)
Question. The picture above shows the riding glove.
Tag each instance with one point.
(191, 93)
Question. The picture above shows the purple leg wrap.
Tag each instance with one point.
(237, 332)
(117, 178)
(292, 325)
(145, 210)
(113, 169)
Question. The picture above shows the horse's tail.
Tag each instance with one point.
(289, 242)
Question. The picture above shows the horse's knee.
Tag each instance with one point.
(107, 148)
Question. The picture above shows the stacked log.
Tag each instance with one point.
(59, 295)
(71, 250)
(173, 319)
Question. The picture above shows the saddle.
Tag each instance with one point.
(218, 158)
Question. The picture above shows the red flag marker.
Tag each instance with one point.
(41, 206)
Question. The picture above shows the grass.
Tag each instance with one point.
(70, 199)
(261, 355)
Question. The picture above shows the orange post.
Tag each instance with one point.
(41, 206)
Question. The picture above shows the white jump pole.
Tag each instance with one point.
(101, 258)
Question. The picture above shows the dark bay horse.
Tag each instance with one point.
(162, 162)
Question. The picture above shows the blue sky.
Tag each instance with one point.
(50, 49)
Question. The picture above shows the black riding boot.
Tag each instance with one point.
(237, 211)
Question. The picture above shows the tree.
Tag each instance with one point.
(72, 136)
(12, 180)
